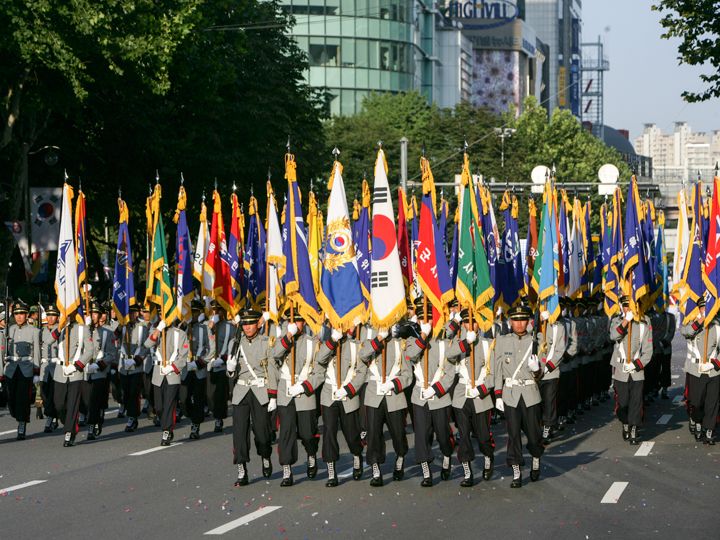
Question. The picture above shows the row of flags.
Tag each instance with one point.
(363, 265)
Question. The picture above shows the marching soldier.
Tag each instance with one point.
(21, 366)
(49, 359)
(568, 378)
(75, 350)
(247, 367)
(296, 403)
(628, 365)
(170, 356)
(703, 369)
(148, 363)
(666, 357)
(388, 375)
(552, 352)
(517, 393)
(132, 359)
(430, 397)
(202, 351)
(472, 398)
(97, 371)
(218, 382)
(340, 400)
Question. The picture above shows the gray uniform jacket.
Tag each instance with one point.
(571, 344)
(696, 335)
(251, 373)
(23, 351)
(352, 372)
(441, 372)
(80, 347)
(669, 332)
(132, 346)
(305, 349)
(553, 351)
(513, 378)
(176, 354)
(223, 334)
(397, 371)
(641, 348)
(483, 378)
(105, 352)
(202, 349)
(48, 352)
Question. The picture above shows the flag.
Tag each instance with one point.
(473, 288)
(575, 254)
(682, 243)
(564, 274)
(403, 241)
(123, 294)
(635, 273)
(234, 256)
(661, 270)
(510, 264)
(693, 284)
(361, 240)
(611, 288)
(66, 283)
(531, 251)
(159, 288)
(275, 261)
(589, 251)
(545, 274)
(453, 262)
(414, 216)
(387, 291)
(299, 287)
(184, 289)
(203, 274)
(491, 237)
(81, 255)
(217, 259)
(711, 273)
(315, 236)
(44, 218)
(433, 275)
(254, 256)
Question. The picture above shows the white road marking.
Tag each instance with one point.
(243, 520)
(664, 419)
(345, 474)
(111, 412)
(8, 432)
(644, 449)
(675, 376)
(6, 490)
(613, 494)
(155, 449)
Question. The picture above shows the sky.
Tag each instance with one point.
(645, 81)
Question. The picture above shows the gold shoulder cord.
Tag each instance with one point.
(489, 354)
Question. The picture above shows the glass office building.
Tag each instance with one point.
(355, 47)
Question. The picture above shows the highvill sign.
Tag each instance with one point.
(483, 14)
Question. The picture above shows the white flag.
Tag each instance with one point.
(387, 290)
(682, 241)
(575, 253)
(275, 259)
(45, 218)
(199, 256)
(66, 281)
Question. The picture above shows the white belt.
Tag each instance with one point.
(18, 358)
(252, 382)
(524, 382)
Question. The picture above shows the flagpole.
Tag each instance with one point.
(472, 346)
(292, 347)
(425, 354)
(384, 363)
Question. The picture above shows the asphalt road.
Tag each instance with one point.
(666, 487)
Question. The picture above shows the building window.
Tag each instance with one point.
(320, 54)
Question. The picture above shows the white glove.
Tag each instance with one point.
(471, 336)
(292, 328)
(499, 405)
(36, 379)
(629, 316)
(457, 317)
(88, 320)
(129, 363)
(166, 370)
(383, 334)
(533, 363)
(426, 328)
(427, 393)
(336, 335)
(236, 319)
(272, 405)
(387, 386)
(628, 368)
(69, 370)
(341, 393)
(100, 355)
(161, 326)
(192, 366)
(91, 368)
(215, 319)
(473, 392)
(231, 364)
(545, 315)
(413, 319)
(296, 389)
(217, 363)
(706, 366)
(266, 315)
(499, 311)
(201, 318)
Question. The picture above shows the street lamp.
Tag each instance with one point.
(503, 133)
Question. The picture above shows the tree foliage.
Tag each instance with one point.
(697, 24)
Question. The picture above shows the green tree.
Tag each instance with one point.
(697, 24)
